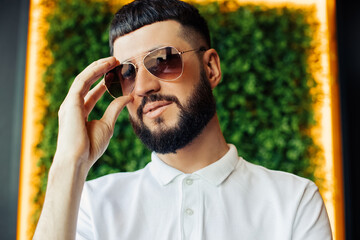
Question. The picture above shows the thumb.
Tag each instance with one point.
(113, 110)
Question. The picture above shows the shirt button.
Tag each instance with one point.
(189, 181)
(189, 211)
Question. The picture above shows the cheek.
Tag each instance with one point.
(179, 89)
(192, 70)
(187, 83)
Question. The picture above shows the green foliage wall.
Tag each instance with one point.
(266, 98)
(263, 102)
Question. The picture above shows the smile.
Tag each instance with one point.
(155, 109)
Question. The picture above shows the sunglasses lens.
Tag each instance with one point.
(120, 80)
(127, 77)
(164, 63)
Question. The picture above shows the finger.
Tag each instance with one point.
(114, 109)
(91, 74)
(93, 96)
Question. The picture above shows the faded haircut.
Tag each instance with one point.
(140, 13)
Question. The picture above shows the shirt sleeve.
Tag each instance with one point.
(311, 221)
(84, 230)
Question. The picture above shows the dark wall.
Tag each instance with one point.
(13, 38)
(348, 33)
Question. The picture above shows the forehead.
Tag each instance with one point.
(142, 40)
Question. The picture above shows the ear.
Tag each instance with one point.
(211, 61)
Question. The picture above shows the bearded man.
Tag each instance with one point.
(163, 70)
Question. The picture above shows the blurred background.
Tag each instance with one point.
(287, 101)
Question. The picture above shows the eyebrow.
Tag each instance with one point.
(144, 53)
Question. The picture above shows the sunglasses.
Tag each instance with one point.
(164, 63)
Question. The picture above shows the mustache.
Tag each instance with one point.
(154, 98)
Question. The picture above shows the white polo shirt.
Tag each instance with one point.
(229, 199)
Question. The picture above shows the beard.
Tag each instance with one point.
(194, 115)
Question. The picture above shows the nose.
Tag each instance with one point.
(145, 83)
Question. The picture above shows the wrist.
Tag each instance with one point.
(70, 167)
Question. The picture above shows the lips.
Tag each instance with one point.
(154, 109)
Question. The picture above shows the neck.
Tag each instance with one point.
(206, 149)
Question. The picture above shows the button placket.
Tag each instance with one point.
(189, 181)
(190, 204)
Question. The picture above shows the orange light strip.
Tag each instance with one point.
(337, 168)
(34, 107)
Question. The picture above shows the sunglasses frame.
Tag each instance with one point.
(202, 49)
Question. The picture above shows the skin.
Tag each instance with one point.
(210, 145)
(81, 143)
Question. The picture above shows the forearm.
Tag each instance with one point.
(60, 210)
(80, 144)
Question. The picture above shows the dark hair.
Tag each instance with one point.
(144, 12)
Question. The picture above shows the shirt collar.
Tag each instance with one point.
(218, 171)
(215, 173)
(161, 171)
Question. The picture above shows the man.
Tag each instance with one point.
(196, 187)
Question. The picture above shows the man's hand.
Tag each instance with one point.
(80, 144)
(79, 139)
